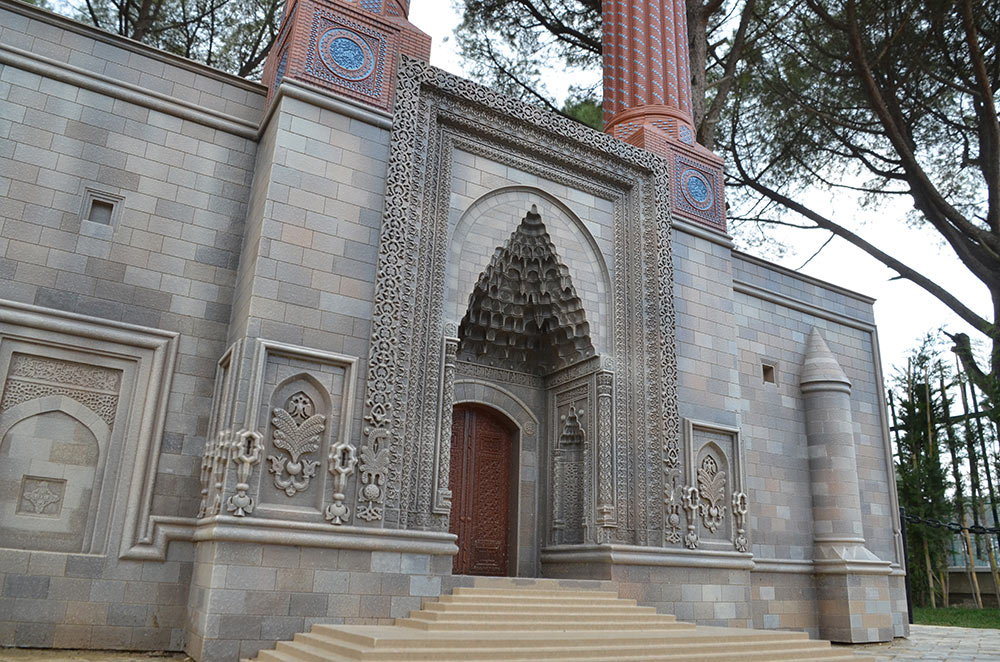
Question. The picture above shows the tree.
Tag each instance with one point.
(879, 98)
(921, 481)
(227, 34)
(889, 98)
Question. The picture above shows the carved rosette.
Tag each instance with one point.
(246, 452)
(297, 431)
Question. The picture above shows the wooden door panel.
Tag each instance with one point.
(480, 481)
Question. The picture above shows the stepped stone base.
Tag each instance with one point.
(535, 620)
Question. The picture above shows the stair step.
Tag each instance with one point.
(546, 622)
(533, 610)
(379, 636)
(429, 650)
(543, 599)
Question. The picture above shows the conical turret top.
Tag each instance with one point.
(820, 365)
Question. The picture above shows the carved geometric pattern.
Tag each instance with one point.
(297, 431)
(346, 53)
(67, 373)
(524, 312)
(606, 454)
(15, 392)
(33, 377)
(41, 496)
(698, 190)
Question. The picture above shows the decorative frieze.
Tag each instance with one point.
(31, 377)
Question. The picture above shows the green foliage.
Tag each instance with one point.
(803, 111)
(232, 35)
(921, 478)
(587, 111)
(515, 47)
(962, 617)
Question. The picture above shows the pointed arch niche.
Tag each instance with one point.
(524, 276)
(487, 225)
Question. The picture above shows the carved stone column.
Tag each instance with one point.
(852, 583)
(442, 463)
(604, 457)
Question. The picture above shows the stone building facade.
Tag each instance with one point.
(316, 349)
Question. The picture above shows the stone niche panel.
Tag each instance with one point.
(571, 487)
(76, 454)
(715, 502)
(299, 420)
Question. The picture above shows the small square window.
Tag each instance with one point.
(100, 212)
(100, 207)
(768, 373)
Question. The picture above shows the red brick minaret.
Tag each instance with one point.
(350, 47)
(647, 100)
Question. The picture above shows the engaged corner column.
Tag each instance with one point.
(852, 583)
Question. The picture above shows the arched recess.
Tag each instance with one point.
(524, 547)
(54, 451)
(487, 225)
(525, 313)
(299, 422)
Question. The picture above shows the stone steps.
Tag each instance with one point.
(519, 621)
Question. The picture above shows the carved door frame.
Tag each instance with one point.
(513, 482)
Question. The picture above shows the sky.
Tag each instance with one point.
(904, 313)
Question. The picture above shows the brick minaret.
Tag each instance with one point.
(647, 100)
(350, 47)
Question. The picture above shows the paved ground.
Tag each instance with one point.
(932, 643)
(927, 643)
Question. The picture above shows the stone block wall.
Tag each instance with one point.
(59, 600)
(166, 147)
(246, 596)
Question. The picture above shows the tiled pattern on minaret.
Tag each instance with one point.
(350, 47)
(647, 100)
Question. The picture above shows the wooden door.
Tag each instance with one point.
(481, 456)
